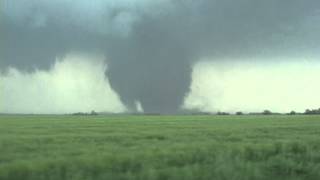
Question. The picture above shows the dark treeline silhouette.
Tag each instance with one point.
(219, 113)
(292, 113)
(312, 111)
(92, 113)
(222, 113)
(239, 113)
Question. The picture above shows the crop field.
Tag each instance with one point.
(244, 147)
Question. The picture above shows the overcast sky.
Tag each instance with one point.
(150, 55)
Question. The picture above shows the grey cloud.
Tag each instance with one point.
(151, 45)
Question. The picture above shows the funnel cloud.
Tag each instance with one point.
(151, 47)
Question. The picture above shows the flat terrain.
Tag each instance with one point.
(159, 147)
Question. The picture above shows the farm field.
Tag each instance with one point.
(34, 147)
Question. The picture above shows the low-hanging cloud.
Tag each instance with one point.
(75, 83)
(279, 86)
(151, 46)
(111, 17)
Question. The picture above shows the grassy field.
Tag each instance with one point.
(159, 147)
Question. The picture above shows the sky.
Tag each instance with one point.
(161, 56)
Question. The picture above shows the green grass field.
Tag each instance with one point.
(159, 147)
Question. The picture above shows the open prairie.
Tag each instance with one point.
(159, 147)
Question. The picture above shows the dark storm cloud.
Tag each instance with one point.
(150, 46)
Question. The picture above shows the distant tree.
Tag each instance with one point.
(292, 113)
(79, 114)
(222, 113)
(93, 113)
(239, 113)
(266, 112)
(308, 111)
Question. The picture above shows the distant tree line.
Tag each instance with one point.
(307, 112)
(268, 112)
(92, 113)
(312, 111)
(220, 113)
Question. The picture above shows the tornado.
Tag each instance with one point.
(150, 47)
